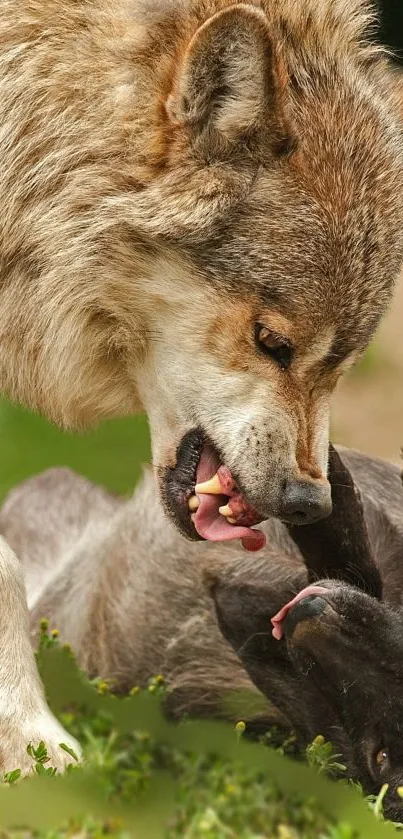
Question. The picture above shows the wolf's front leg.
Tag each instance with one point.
(24, 715)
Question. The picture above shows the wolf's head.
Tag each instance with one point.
(220, 229)
(230, 238)
(277, 219)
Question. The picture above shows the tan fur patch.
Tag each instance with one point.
(230, 339)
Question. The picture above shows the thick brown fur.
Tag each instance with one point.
(173, 173)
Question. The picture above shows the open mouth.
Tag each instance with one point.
(202, 496)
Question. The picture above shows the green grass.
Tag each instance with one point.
(192, 782)
(111, 455)
(145, 778)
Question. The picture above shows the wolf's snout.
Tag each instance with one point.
(304, 502)
(311, 606)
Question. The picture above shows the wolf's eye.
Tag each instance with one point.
(379, 761)
(273, 345)
(382, 757)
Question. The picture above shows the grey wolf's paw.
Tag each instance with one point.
(20, 745)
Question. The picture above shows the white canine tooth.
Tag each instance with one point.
(193, 503)
(225, 511)
(211, 487)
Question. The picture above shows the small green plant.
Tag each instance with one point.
(284, 743)
(320, 756)
(40, 756)
(69, 751)
(157, 686)
(12, 777)
(376, 802)
(47, 638)
(102, 686)
(240, 729)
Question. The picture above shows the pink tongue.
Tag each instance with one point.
(279, 619)
(209, 522)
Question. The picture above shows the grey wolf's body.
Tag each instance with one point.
(126, 590)
(129, 594)
(202, 219)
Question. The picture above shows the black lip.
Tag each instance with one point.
(178, 482)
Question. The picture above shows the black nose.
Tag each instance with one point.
(310, 607)
(306, 501)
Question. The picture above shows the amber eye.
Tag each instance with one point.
(273, 345)
(381, 757)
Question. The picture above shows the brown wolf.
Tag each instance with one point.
(127, 592)
(202, 219)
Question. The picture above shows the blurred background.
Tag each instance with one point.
(368, 405)
(367, 411)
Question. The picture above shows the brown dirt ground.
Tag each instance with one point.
(368, 405)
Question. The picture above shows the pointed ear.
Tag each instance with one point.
(243, 614)
(230, 88)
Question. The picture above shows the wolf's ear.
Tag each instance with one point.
(244, 610)
(230, 88)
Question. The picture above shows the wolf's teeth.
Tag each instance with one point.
(228, 513)
(225, 511)
(193, 503)
(211, 487)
